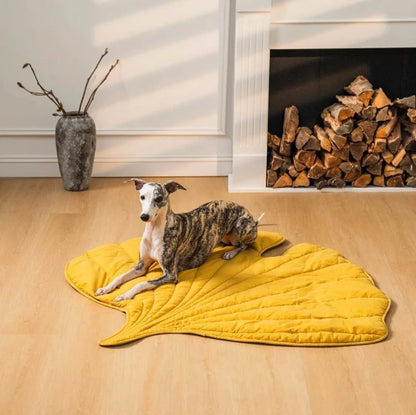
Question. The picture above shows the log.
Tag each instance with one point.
(285, 148)
(395, 181)
(390, 170)
(293, 173)
(321, 183)
(359, 85)
(363, 181)
(411, 114)
(408, 165)
(352, 171)
(368, 128)
(369, 113)
(290, 124)
(312, 144)
(343, 153)
(339, 128)
(385, 129)
(380, 99)
(395, 139)
(357, 150)
(298, 165)
(336, 182)
(331, 161)
(323, 138)
(408, 142)
(376, 169)
(380, 145)
(379, 181)
(303, 135)
(351, 101)
(388, 156)
(271, 178)
(406, 102)
(408, 126)
(384, 114)
(317, 170)
(283, 181)
(337, 141)
(333, 172)
(356, 135)
(411, 181)
(365, 97)
(280, 162)
(398, 157)
(340, 112)
(273, 141)
(306, 157)
(302, 180)
(370, 159)
(413, 157)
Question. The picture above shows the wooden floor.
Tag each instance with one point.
(50, 362)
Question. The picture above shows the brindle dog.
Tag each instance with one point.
(185, 240)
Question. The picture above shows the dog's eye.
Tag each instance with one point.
(142, 197)
(158, 199)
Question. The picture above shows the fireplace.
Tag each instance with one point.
(353, 136)
(261, 26)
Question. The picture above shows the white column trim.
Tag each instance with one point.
(251, 92)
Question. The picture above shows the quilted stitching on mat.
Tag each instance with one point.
(309, 296)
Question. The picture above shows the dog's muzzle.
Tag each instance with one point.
(144, 217)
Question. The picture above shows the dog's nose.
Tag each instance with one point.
(144, 217)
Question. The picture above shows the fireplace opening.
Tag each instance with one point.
(334, 118)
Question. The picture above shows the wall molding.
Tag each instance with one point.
(341, 21)
(36, 132)
(121, 166)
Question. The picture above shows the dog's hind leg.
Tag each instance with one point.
(139, 270)
(242, 236)
(231, 254)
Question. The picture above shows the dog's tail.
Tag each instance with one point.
(260, 218)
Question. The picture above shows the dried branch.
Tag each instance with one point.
(89, 78)
(49, 94)
(92, 96)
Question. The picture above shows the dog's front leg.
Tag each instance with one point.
(166, 278)
(139, 270)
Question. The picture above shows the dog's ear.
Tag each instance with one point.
(173, 186)
(139, 183)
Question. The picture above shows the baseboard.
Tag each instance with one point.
(184, 165)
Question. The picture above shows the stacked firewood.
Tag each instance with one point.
(365, 139)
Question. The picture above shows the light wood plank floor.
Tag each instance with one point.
(50, 361)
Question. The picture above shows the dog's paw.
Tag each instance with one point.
(121, 298)
(229, 255)
(102, 291)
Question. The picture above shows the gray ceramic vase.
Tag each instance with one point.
(75, 146)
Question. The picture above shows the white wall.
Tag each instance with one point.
(162, 110)
(304, 24)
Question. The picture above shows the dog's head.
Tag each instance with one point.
(154, 196)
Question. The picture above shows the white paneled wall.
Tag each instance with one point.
(163, 108)
(167, 109)
(305, 24)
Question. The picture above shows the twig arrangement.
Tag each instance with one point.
(50, 94)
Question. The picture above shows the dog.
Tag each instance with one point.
(185, 240)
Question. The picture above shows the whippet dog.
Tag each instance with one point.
(182, 241)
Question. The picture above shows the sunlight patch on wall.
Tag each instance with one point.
(158, 17)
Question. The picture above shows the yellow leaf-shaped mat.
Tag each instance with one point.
(308, 296)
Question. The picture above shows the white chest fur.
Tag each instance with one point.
(152, 240)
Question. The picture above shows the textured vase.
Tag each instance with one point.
(75, 147)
